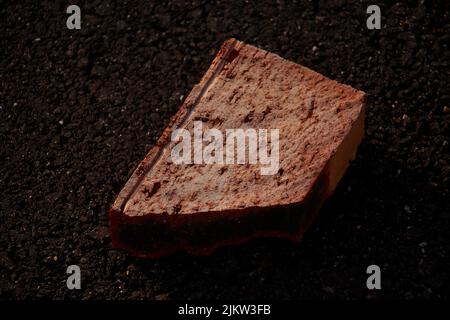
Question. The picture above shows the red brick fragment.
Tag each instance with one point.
(165, 206)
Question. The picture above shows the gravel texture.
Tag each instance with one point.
(80, 108)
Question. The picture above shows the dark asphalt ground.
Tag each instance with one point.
(80, 109)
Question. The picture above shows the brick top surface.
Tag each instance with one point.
(247, 87)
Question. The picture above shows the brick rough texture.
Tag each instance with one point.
(164, 207)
